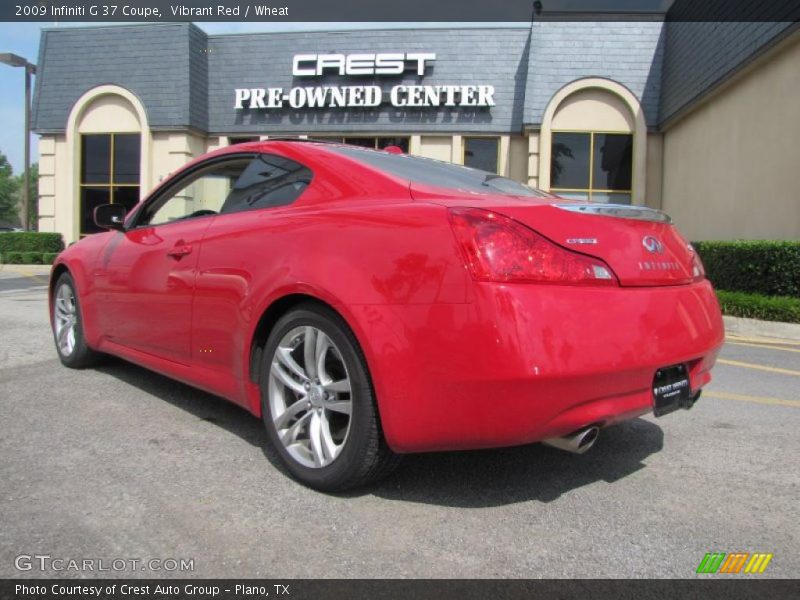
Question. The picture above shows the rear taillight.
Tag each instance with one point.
(499, 249)
(698, 271)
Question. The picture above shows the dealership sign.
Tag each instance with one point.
(337, 96)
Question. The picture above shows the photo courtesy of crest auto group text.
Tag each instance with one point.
(333, 299)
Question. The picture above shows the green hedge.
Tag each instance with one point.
(30, 241)
(11, 258)
(756, 306)
(23, 258)
(28, 258)
(771, 268)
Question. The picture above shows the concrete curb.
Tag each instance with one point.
(26, 269)
(756, 328)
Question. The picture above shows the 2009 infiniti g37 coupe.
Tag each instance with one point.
(368, 304)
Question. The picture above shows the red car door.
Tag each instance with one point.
(145, 283)
(237, 253)
(145, 276)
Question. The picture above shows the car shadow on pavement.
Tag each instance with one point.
(487, 478)
(470, 479)
(206, 407)
(203, 405)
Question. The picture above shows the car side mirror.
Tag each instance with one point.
(110, 216)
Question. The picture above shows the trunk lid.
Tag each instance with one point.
(640, 244)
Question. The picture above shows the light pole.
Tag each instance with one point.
(30, 69)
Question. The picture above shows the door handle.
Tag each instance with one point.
(180, 250)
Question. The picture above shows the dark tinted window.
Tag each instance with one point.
(268, 181)
(242, 139)
(379, 143)
(613, 154)
(481, 153)
(127, 195)
(91, 198)
(364, 142)
(109, 173)
(592, 166)
(441, 174)
(126, 158)
(569, 165)
(400, 142)
(95, 163)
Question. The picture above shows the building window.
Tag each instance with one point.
(385, 142)
(481, 153)
(242, 139)
(109, 174)
(378, 143)
(592, 165)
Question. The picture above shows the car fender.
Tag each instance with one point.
(80, 260)
(357, 317)
(352, 281)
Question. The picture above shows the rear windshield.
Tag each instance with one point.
(438, 173)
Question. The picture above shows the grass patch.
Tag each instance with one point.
(756, 306)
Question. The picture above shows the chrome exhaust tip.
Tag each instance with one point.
(578, 442)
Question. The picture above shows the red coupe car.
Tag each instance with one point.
(368, 304)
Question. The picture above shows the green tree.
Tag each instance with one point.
(33, 196)
(9, 198)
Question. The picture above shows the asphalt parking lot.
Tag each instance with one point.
(120, 463)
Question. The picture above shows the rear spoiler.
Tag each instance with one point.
(621, 211)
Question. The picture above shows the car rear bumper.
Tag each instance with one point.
(521, 363)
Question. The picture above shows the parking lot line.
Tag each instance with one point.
(768, 346)
(37, 277)
(756, 399)
(781, 342)
(736, 363)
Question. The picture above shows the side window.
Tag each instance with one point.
(204, 193)
(267, 182)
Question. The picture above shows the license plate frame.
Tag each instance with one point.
(672, 389)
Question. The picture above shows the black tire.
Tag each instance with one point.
(81, 356)
(365, 456)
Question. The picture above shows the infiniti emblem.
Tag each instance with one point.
(652, 244)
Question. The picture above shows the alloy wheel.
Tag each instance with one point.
(65, 318)
(310, 396)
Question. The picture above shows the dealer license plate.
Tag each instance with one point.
(671, 389)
